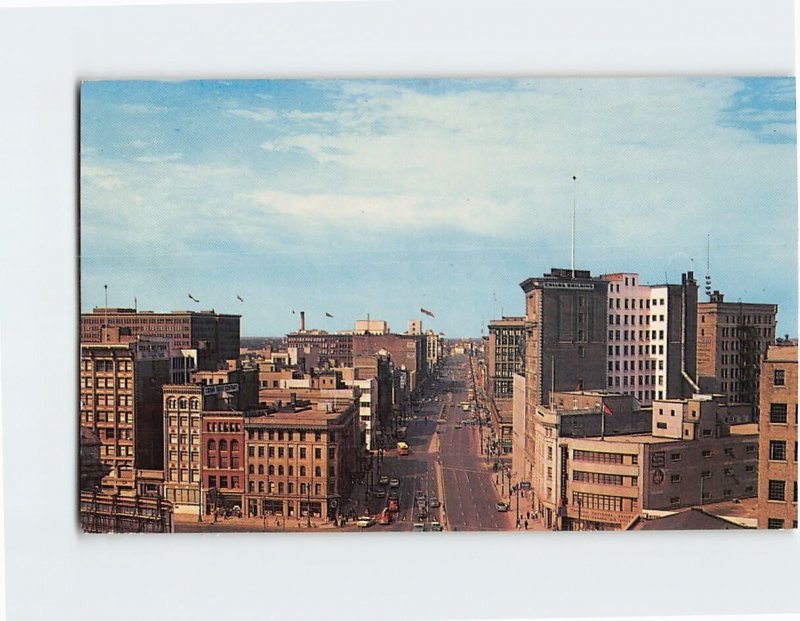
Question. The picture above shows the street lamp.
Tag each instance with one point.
(580, 520)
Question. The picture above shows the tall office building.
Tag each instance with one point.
(120, 403)
(731, 342)
(505, 355)
(565, 345)
(215, 336)
(651, 337)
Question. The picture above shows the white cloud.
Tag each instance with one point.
(262, 114)
(158, 159)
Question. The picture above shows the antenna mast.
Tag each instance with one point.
(708, 266)
(574, 204)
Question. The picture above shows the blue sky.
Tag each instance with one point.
(381, 197)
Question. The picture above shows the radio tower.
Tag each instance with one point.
(708, 266)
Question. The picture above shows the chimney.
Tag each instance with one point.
(302, 321)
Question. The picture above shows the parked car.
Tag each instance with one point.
(434, 503)
(384, 480)
(436, 527)
(365, 521)
(379, 493)
(418, 527)
(394, 483)
(501, 506)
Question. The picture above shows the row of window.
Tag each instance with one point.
(288, 452)
(120, 400)
(289, 471)
(183, 403)
(644, 380)
(602, 479)
(646, 350)
(643, 303)
(630, 366)
(123, 418)
(603, 502)
(303, 488)
(107, 382)
(288, 436)
(602, 458)
(776, 523)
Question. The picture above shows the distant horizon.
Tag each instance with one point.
(380, 197)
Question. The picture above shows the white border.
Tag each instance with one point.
(54, 572)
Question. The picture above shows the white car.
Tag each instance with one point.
(365, 521)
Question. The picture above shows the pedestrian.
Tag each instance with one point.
(526, 524)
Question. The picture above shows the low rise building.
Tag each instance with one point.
(301, 458)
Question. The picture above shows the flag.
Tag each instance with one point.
(328, 315)
(238, 297)
(427, 312)
(606, 410)
(191, 297)
(293, 312)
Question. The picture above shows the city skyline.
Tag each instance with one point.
(383, 197)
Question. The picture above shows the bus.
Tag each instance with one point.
(402, 448)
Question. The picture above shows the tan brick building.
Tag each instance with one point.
(732, 338)
(120, 402)
(777, 480)
(301, 457)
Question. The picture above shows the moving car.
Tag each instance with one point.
(384, 480)
(418, 527)
(458, 425)
(379, 493)
(501, 506)
(365, 521)
(436, 527)
(394, 482)
(434, 503)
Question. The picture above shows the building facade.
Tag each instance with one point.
(505, 355)
(565, 346)
(214, 336)
(120, 403)
(777, 480)
(301, 458)
(651, 337)
(732, 340)
(328, 350)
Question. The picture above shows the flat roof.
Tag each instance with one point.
(641, 438)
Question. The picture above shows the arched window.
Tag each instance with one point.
(182, 403)
(212, 447)
(302, 488)
(261, 487)
(272, 488)
(280, 488)
(271, 470)
(251, 469)
(194, 404)
(260, 468)
(317, 471)
(302, 471)
(280, 470)
(172, 402)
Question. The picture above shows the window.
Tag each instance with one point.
(223, 482)
(675, 478)
(317, 453)
(707, 453)
(777, 412)
(317, 471)
(212, 481)
(302, 452)
(705, 474)
(280, 470)
(774, 523)
(675, 500)
(251, 486)
(261, 452)
(779, 377)
(271, 469)
(750, 448)
(302, 471)
(235, 482)
(280, 451)
(675, 456)
(251, 451)
(729, 451)
(260, 468)
(251, 469)
(777, 450)
(776, 490)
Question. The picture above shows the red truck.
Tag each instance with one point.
(393, 504)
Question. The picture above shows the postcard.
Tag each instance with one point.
(438, 305)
